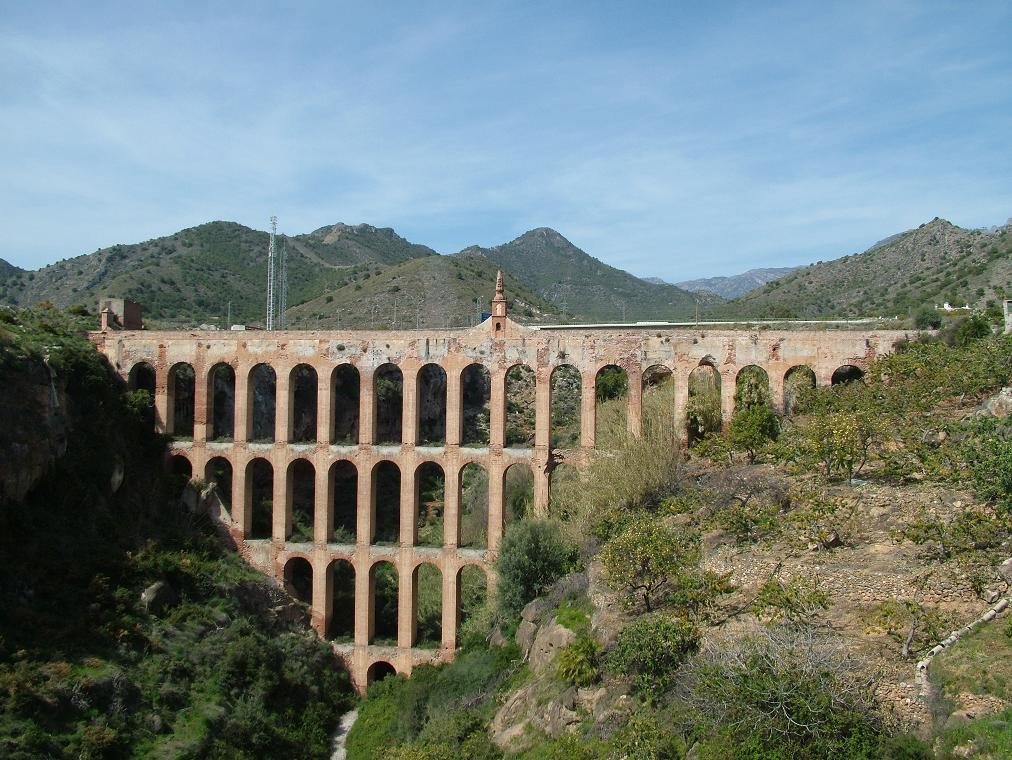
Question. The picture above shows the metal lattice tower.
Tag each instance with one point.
(283, 285)
(271, 274)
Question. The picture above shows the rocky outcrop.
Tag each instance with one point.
(34, 430)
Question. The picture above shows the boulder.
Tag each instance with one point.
(1005, 570)
(525, 636)
(158, 597)
(549, 639)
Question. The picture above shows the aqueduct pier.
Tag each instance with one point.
(294, 423)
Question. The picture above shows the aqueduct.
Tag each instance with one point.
(350, 460)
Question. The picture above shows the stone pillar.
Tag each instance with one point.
(281, 500)
(366, 407)
(409, 502)
(454, 407)
(365, 507)
(496, 473)
(283, 405)
(241, 508)
(324, 412)
(407, 604)
(588, 409)
(323, 514)
(727, 390)
(320, 611)
(680, 377)
(541, 485)
(365, 601)
(497, 410)
(776, 379)
(451, 504)
(450, 608)
(634, 416)
(409, 407)
(243, 405)
(542, 408)
(200, 395)
(163, 407)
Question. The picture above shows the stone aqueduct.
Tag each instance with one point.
(329, 358)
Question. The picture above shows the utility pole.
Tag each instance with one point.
(271, 283)
(228, 319)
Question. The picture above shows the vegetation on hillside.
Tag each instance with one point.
(215, 662)
(907, 275)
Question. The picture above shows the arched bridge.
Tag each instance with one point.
(369, 470)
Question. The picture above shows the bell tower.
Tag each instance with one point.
(499, 307)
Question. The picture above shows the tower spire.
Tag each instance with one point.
(498, 305)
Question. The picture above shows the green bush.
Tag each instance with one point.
(650, 649)
(533, 555)
(578, 662)
(752, 428)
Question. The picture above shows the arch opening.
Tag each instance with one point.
(341, 576)
(302, 409)
(751, 388)
(428, 590)
(566, 396)
(658, 402)
(261, 403)
(344, 389)
(181, 399)
(702, 412)
(473, 523)
(142, 378)
(218, 471)
(386, 507)
(430, 498)
(260, 493)
(344, 502)
(181, 470)
(476, 405)
(389, 394)
(299, 579)
(611, 390)
(383, 591)
(563, 489)
(796, 381)
(221, 398)
(378, 671)
(472, 592)
(520, 406)
(301, 501)
(431, 405)
(847, 373)
(518, 492)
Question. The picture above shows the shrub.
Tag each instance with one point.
(792, 602)
(578, 662)
(649, 651)
(781, 693)
(533, 555)
(752, 428)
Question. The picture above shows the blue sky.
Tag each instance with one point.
(669, 139)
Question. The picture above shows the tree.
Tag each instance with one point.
(643, 558)
(752, 428)
(532, 557)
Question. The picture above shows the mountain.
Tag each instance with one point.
(440, 290)
(902, 274)
(565, 275)
(191, 276)
(736, 285)
(8, 270)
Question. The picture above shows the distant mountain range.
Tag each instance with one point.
(360, 275)
(736, 285)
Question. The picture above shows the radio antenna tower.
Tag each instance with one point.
(283, 286)
(271, 274)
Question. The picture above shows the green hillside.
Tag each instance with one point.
(562, 273)
(440, 290)
(925, 267)
(189, 277)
